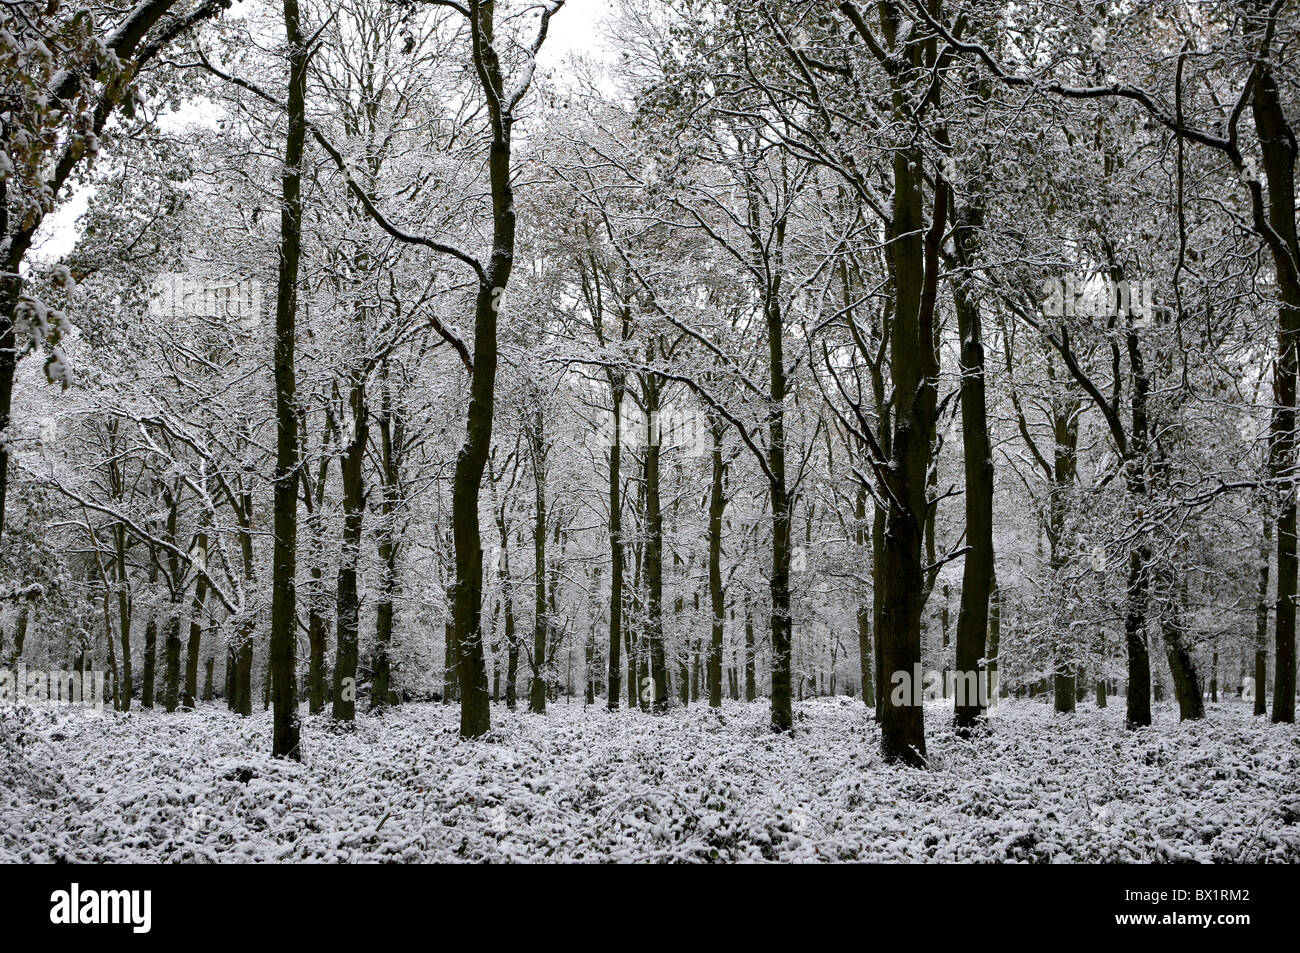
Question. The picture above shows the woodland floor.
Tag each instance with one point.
(581, 784)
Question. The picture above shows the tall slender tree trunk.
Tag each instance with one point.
(1261, 623)
(191, 692)
(782, 620)
(615, 670)
(537, 688)
(751, 682)
(866, 661)
(352, 465)
(123, 614)
(172, 626)
(995, 639)
(150, 660)
(977, 455)
(467, 597)
(717, 598)
(655, 691)
(281, 660)
(392, 438)
(1065, 464)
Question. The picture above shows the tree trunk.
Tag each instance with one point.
(281, 660)
(124, 614)
(1261, 624)
(977, 456)
(196, 630)
(655, 691)
(391, 438)
(615, 671)
(866, 664)
(537, 689)
(172, 657)
(781, 621)
(717, 504)
(349, 604)
(751, 686)
(1278, 153)
(150, 660)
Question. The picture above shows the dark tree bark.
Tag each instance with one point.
(1277, 143)
(351, 464)
(1065, 462)
(977, 453)
(191, 691)
(392, 439)
(717, 505)
(866, 662)
(655, 691)
(282, 663)
(150, 661)
(781, 502)
(1261, 623)
(172, 625)
(615, 670)
(914, 363)
(751, 687)
(123, 613)
(537, 440)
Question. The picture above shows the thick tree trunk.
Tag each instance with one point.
(914, 265)
(172, 656)
(1278, 153)
(1187, 686)
(1138, 697)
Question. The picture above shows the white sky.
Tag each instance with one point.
(575, 29)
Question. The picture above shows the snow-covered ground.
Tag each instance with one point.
(582, 784)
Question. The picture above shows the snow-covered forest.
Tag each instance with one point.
(676, 430)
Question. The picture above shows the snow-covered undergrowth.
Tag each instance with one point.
(582, 784)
